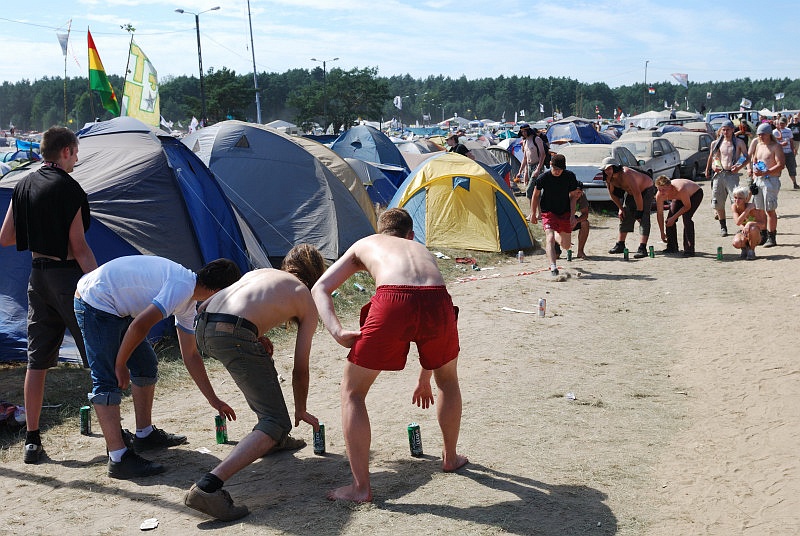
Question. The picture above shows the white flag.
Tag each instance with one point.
(522, 113)
(708, 95)
(778, 96)
(398, 102)
(63, 38)
(541, 107)
(746, 103)
(193, 125)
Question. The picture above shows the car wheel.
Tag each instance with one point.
(695, 171)
(676, 173)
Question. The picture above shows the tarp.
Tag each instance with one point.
(576, 130)
(377, 179)
(148, 195)
(285, 194)
(457, 202)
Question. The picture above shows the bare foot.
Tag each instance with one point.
(349, 493)
(583, 256)
(457, 464)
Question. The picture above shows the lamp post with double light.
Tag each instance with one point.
(203, 120)
(324, 90)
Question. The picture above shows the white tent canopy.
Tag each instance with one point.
(651, 118)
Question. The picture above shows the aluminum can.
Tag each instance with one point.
(569, 254)
(542, 306)
(520, 256)
(222, 429)
(652, 252)
(625, 253)
(719, 253)
(86, 420)
(415, 440)
(319, 440)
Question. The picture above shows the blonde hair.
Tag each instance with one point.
(663, 180)
(742, 190)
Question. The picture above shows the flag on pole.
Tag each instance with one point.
(708, 95)
(63, 38)
(682, 78)
(651, 90)
(398, 102)
(522, 113)
(98, 81)
(746, 103)
(140, 98)
(779, 96)
(541, 107)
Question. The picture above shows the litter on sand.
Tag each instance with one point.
(518, 311)
(440, 255)
(203, 450)
(149, 524)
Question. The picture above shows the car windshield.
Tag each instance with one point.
(684, 143)
(585, 154)
(637, 147)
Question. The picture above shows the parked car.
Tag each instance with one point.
(584, 160)
(694, 148)
(656, 155)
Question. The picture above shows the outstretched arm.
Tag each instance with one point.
(423, 394)
(193, 362)
(332, 279)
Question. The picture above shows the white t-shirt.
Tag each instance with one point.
(127, 285)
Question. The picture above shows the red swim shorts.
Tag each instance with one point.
(557, 222)
(398, 315)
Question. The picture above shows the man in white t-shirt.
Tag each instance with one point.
(116, 305)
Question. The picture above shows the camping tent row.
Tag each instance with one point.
(150, 194)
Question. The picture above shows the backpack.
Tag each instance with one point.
(546, 145)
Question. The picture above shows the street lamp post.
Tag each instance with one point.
(199, 59)
(324, 93)
(646, 88)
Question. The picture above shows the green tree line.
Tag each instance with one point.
(341, 97)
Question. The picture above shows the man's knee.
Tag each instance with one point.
(113, 398)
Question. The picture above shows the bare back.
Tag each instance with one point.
(631, 180)
(266, 297)
(394, 261)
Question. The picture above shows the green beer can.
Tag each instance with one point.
(222, 429)
(415, 440)
(86, 420)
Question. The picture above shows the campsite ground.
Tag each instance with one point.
(657, 396)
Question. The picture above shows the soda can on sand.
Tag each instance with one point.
(719, 253)
(652, 252)
(569, 254)
(520, 256)
(86, 420)
(625, 253)
(542, 306)
(415, 440)
(319, 440)
(222, 429)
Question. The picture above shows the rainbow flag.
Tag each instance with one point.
(98, 81)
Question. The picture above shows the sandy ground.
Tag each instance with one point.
(657, 396)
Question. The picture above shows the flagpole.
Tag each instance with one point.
(130, 29)
(89, 80)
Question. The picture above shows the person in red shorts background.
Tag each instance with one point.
(553, 196)
(411, 304)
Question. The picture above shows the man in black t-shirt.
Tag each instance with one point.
(456, 146)
(48, 215)
(555, 194)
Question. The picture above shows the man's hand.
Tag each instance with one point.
(306, 417)
(224, 409)
(621, 214)
(267, 344)
(347, 338)
(423, 395)
(532, 218)
(123, 375)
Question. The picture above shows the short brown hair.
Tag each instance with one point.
(559, 161)
(54, 140)
(395, 222)
(305, 262)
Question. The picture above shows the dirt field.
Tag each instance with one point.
(657, 396)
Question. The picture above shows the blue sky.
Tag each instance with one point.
(592, 41)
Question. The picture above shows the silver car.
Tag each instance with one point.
(694, 148)
(656, 155)
(584, 161)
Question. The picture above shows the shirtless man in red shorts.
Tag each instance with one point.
(411, 303)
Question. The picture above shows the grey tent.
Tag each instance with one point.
(285, 194)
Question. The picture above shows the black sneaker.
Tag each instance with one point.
(158, 439)
(132, 466)
(558, 250)
(641, 252)
(127, 438)
(669, 251)
(619, 247)
(32, 453)
(743, 254)
(554, 272)
(770, 242)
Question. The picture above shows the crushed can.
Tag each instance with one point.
(319, 440)
(222, 429)
(415, 440)
(86, 420)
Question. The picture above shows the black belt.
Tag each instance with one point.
(237, 321)
(45, 263)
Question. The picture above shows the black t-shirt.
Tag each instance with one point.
(555, 191)
(45, 203)
(460, 149)
(795, 128)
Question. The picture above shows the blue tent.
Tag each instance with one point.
(370, 145)
(576, 130)
(378, 179)
(148, 195)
